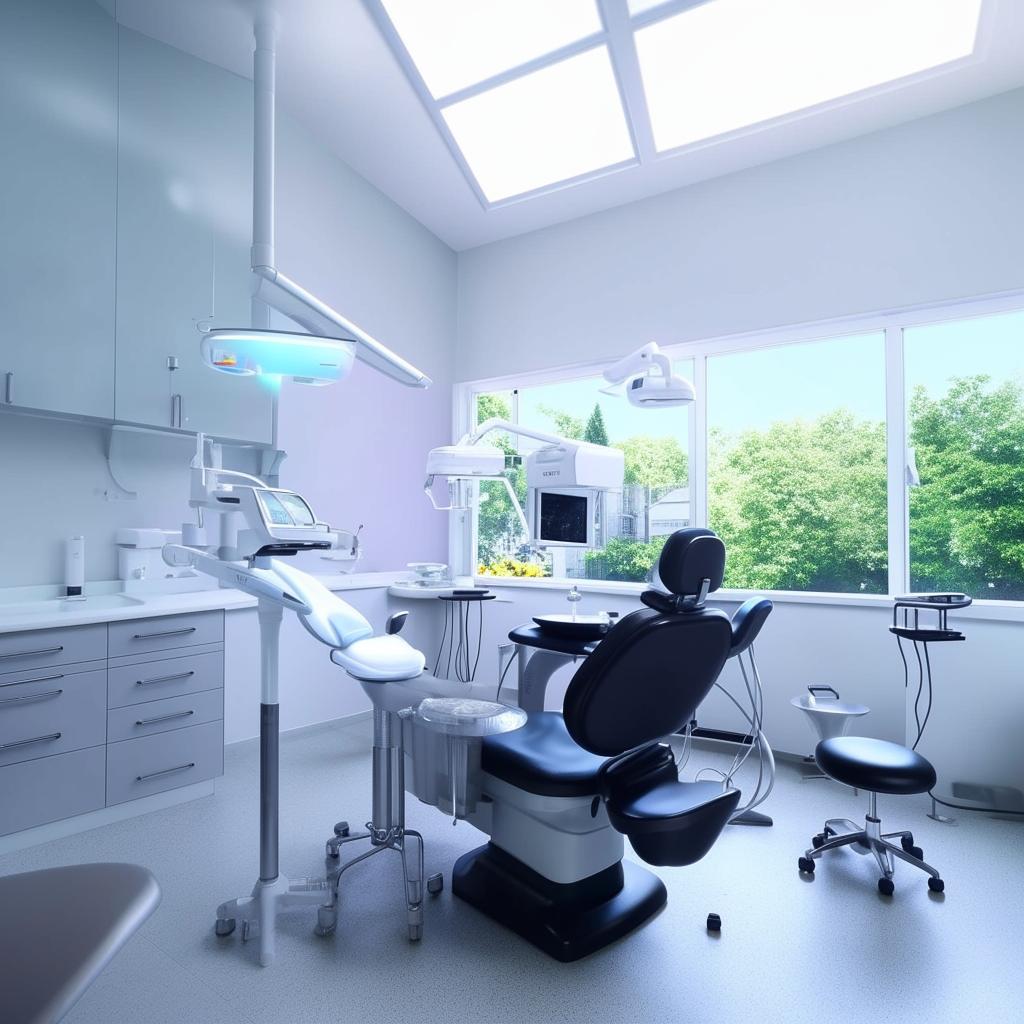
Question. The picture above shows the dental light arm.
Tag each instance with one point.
(643, 360)
(648, 379)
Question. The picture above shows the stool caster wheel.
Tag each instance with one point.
(806, 865)
(714, 923)
(223, 927)
(936, 885)
(907, 841)
(818, 841)
(885, 886)
(332, 850)
(250, 929)
(326, 921)
(915, 851)
(341, 829)
(435, 883)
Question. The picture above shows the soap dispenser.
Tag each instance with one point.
(74, 568)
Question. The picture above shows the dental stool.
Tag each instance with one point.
(879, 767)
(566, 787)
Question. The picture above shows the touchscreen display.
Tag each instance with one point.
(273, 511)
(563, 518)
(301, 513)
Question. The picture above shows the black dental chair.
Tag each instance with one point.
(567, 787)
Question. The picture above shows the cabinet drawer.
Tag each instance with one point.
(139, 636)
(50, 713)
(171, 677)
(164, 715)
(44, 648)
(152, 764)
(51, 788)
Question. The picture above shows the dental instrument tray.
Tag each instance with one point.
(576, 627)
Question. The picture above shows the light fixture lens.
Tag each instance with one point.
(727, 64)
(305, 358)
(551, 125)
(457, 43)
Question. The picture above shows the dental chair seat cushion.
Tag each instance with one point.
(674, 823)
(542, 758)
(875, 765)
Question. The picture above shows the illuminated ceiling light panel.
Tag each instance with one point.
(728, 64)
(458, 43)
(549, 126)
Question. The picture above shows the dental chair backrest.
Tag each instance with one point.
(647, 677)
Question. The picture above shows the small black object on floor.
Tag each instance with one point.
(714, 923)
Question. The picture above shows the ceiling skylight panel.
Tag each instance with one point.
(558, 123)
(727, 64)
(458, 43)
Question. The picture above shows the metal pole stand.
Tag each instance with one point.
(386, 831)
(936, 816)
(273, 892)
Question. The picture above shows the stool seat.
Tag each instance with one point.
(875, 765)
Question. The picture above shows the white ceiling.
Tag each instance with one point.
(338, 75)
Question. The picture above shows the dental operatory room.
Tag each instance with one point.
(511, 511)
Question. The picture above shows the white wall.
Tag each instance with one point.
(357, 448)
(926, 211)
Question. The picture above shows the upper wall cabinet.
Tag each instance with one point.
(184, 214)
(58, 166)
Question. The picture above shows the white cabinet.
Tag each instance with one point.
(58, 165)
(184, 209)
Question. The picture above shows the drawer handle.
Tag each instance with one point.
(28, 654)
(32, 696)
(38, 679)
(166, 632)
(165, 679)
(32, 739)
(164, 718)
(165, 771)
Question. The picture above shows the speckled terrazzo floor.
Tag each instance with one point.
(791, 950)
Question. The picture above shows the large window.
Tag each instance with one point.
(879, 457)
(965, 421)
(633, 522)
(797, 465)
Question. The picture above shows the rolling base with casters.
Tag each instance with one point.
(255, 916)
(386, 832)
(870, 839)
(566, 921)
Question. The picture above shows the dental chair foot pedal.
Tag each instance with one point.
(566, 921)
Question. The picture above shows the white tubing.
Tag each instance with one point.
(264, 83)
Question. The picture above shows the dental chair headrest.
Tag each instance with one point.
(689, 557)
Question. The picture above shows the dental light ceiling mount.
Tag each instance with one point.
(325, 355)
(647, 378)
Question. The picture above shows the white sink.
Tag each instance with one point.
(61, 606)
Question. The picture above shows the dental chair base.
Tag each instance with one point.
(557, 815)
(568, 920)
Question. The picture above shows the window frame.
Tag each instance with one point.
(891, 323)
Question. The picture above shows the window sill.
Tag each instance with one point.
(996, 611)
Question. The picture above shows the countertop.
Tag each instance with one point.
(17, 613)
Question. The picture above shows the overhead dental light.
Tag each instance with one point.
(648, 381)
(325, 354)
(302, 357)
